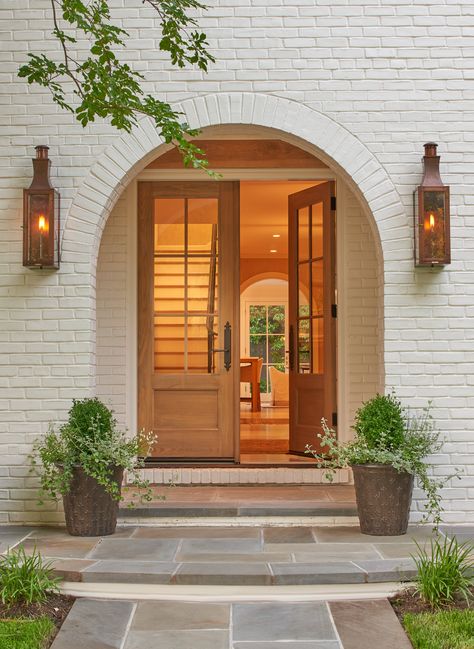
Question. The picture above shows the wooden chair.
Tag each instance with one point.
(250, 371)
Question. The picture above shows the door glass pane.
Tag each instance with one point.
(303, 234)
(258, 346)
(185, 284)
(276, 319)
(202, 226)
(317, 288)
(317, 230)
(169, 344)
(303, 289)
(276, 349)
(169, 226)
(318, 345)
(169, 284)
(264, 382)
(304, 349)
(258, 319)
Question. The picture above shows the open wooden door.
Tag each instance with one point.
(188, 347)
(312, 312)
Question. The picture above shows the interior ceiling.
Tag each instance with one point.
(263, 213)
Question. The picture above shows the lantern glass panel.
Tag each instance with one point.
(434, 225)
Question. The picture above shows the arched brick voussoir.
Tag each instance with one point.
(333, 143)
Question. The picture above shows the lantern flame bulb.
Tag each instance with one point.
(41, 223)
(432, 221)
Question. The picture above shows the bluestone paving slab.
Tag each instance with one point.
(162, 616)
(368, 623)
(195, 639)
(398, 550)
(260, 557)
(197, 533)
(94, 624)
(352, 534)
(461, 532)
(71, 548)
(288, 535)
(70, 569)
(221, 546)
(135, 549)
(324, 644)
(321, 573)
(142, 572)
(388, 569)
(257, 574)
(276, 621)
(325, 551)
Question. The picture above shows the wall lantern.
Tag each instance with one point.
(41, 217)
(431, 207)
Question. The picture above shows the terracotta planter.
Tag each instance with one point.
(383, 499)
(89, 509)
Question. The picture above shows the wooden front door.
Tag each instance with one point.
(312, 343)
(188, 276)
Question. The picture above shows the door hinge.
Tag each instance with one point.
(333, 203)
(334, 418)
(334, 310)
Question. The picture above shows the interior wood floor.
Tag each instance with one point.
(264, 436)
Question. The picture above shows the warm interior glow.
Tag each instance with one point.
(432, 221)
(41, 223)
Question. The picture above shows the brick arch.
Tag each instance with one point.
(317, 132)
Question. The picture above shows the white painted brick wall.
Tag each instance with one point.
(366, 82)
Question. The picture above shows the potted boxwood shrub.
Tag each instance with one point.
(389, 451)
(83, 462)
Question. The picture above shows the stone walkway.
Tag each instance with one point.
(105, 624)
(258, 556)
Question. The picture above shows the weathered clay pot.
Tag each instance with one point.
(383, 499)
(88, 508)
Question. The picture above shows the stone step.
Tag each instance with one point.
(229, 510)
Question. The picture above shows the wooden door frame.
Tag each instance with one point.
(130, 207)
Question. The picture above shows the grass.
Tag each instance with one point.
(26, 634)
(441, 630)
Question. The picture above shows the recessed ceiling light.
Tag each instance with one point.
(273, 250)
(276, 236)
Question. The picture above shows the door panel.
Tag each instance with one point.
(312, 325)
(187, 280)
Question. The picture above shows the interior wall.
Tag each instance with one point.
(253, 268)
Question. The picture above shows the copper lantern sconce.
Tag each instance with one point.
(431, 208)
(41, 217)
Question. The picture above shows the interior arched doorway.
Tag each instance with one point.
(357, 274)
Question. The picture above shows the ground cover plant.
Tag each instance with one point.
(441, 630)
(31, 607)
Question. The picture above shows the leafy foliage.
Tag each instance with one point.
(90, 439)
(26, 634)
(406, 453)
(380, 422)
(102, 86)
(441, 630)
(445, 572)
(25, 579)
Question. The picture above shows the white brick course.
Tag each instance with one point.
(363, 84)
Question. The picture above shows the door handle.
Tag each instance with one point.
(292, 348)
(227, 349)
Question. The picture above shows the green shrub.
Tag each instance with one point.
(446, 572)
(25, 579)
(380, 422)
(92, 440)
(441, 630)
